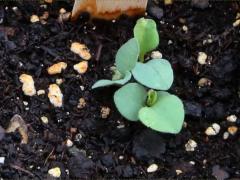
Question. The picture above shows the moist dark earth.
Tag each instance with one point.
(101, 148)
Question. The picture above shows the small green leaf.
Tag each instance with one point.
(127, 56)
(129, 99)
(106, 82)
(152, 97)
(166, 115)
(145, 31)
(155, 74)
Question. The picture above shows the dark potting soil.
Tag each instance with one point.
(101, 148)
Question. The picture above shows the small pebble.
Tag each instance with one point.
(62, 11)
(213, 130)
(156, 55)
(34, 19)
(236, 23)
(225, 135)
(59, 81)
(2, 160)
(232, 118)
(178, 171)
(192, 163)
(105, 111)
(57, 68)
(204, 82)
(25, 103)
(55, 172)
(81, 103)
(121, 157)
(81, 67)
(232, 130)
(82, 88)
(202, 58)
(190, 145)
(69, 143)
(152, 168)
(28, 85)
(121, 126)
(55, 95)
(44, 119)
(185, 28)
(40, 92)
(170, 42)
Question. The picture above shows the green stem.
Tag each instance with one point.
(141, 58)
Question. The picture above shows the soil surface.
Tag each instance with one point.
(114, 147)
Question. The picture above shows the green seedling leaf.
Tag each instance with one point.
(155, 74)
(127, 56)
(166, 115)
(129, 99)
(106, 82)
(152, 97)
(145, 31)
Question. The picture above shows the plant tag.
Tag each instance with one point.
(109, 9)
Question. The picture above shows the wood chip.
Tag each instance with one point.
(57, 68)
(28, 85)
(232, 130)
(55, 95)
(81, 67)
(81, 50)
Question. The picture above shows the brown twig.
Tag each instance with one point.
(21, 169)
(49, 156)
(99, 52)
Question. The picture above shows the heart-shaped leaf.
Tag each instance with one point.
(129, 99)
(166, 115)
(145, 31)
(127, 56)
(155, 74)
(106, 82)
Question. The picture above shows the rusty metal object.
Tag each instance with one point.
(109, 9)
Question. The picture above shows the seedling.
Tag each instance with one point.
(147, 101)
